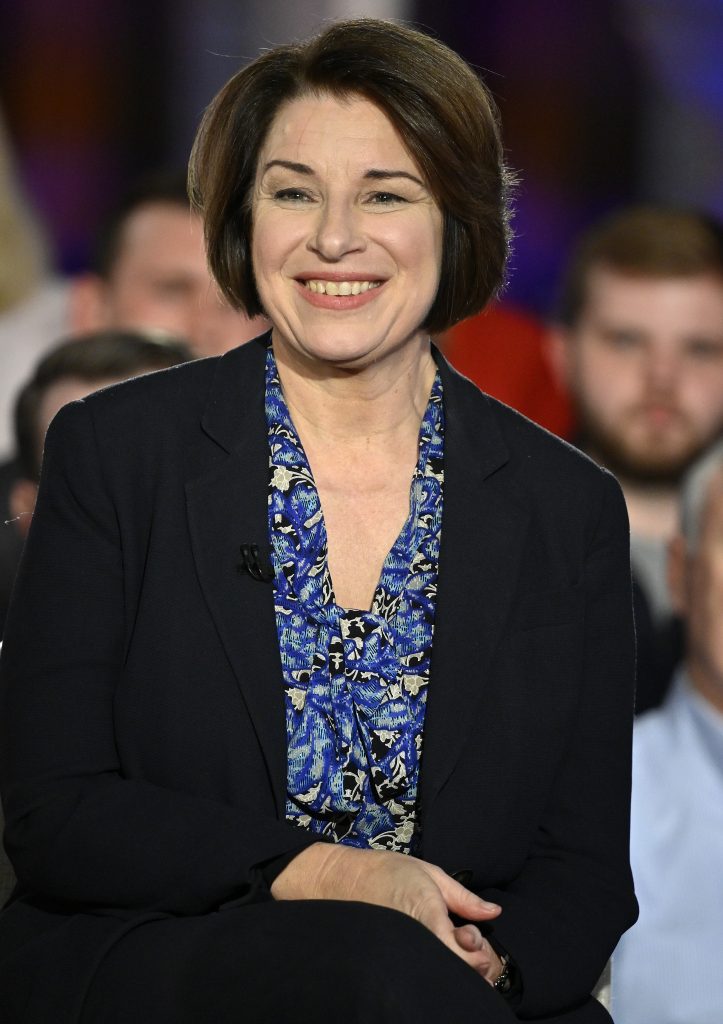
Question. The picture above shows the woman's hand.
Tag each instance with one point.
(423, 891)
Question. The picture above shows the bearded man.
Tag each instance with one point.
(639, 345)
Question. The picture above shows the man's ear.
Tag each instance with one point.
(21, 502)
(87, 306)
(557, 350)
(677, 574)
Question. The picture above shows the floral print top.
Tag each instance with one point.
(355, 681)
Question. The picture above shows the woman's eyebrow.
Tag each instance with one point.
(290, 165)
(382, 175)
(373, 174)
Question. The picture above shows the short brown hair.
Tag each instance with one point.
(446, 118)
(642, 241)
(99, 355)
(165, 188)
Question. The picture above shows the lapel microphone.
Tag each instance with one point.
(258, 566)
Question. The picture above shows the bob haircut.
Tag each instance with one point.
(445, 117)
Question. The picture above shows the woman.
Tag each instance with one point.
(228, 796)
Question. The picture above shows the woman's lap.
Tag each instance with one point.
(295, 961)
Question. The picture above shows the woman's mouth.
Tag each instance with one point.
(323, 287)
(339, 294)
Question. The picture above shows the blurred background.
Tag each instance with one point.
(603, 102)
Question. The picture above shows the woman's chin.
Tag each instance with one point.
(352, 351)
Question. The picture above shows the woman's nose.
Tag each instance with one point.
(337, 231)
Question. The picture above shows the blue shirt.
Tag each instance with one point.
(668, 969)
(355, 680)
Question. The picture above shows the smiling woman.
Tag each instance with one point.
(326, 239)
(382, 757)
(444, 120)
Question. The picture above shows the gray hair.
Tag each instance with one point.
(694, 492)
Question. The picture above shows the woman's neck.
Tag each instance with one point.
(355, 407)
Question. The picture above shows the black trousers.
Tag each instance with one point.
(301, 962)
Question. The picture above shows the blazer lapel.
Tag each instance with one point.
(482, 534)
(227, 507)
(483, 530)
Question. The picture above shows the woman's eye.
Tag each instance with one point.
(386, 198)
(292, 195)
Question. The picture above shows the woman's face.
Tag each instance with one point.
(347, 239)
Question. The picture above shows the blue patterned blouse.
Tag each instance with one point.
(355, 681)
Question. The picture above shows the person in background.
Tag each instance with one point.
(667, 968)
(72, 370)
(33, 313)
(150, 271)
(639, 345)
(33, 298)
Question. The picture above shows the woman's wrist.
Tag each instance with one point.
(300, 878)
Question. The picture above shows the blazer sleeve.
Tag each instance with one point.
(77, 830)
(564, 913)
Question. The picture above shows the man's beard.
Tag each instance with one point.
(649, 466)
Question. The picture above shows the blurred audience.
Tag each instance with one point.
(668, 967)
(150, 272)
(502, 351)
(33, 301)
(640, 348)
(68, 372)
(33, 312)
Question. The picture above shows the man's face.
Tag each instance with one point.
(161, 280)
(644, 365)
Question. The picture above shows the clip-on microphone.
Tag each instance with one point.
(257, 566)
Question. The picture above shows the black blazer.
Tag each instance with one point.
(142, 743)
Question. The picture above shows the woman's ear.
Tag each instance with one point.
(678, 573)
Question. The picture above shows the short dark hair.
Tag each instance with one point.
(91, 357)
(165, 187)
(445, 116)
(642, 241)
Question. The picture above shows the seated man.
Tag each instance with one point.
(70, 371)
(67, 372)
(639, 345)
(150, 271)
(668, 969)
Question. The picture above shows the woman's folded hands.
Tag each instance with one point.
(422, 891)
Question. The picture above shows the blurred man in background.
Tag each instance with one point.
(70, 371)
(151, 272)
(640, 348)
(667, 968)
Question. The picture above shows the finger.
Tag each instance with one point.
(462, 901)
(469, 938)
(482, 957)
(477, 959)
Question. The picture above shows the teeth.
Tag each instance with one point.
(341, 287)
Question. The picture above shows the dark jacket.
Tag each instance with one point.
(142, 744)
